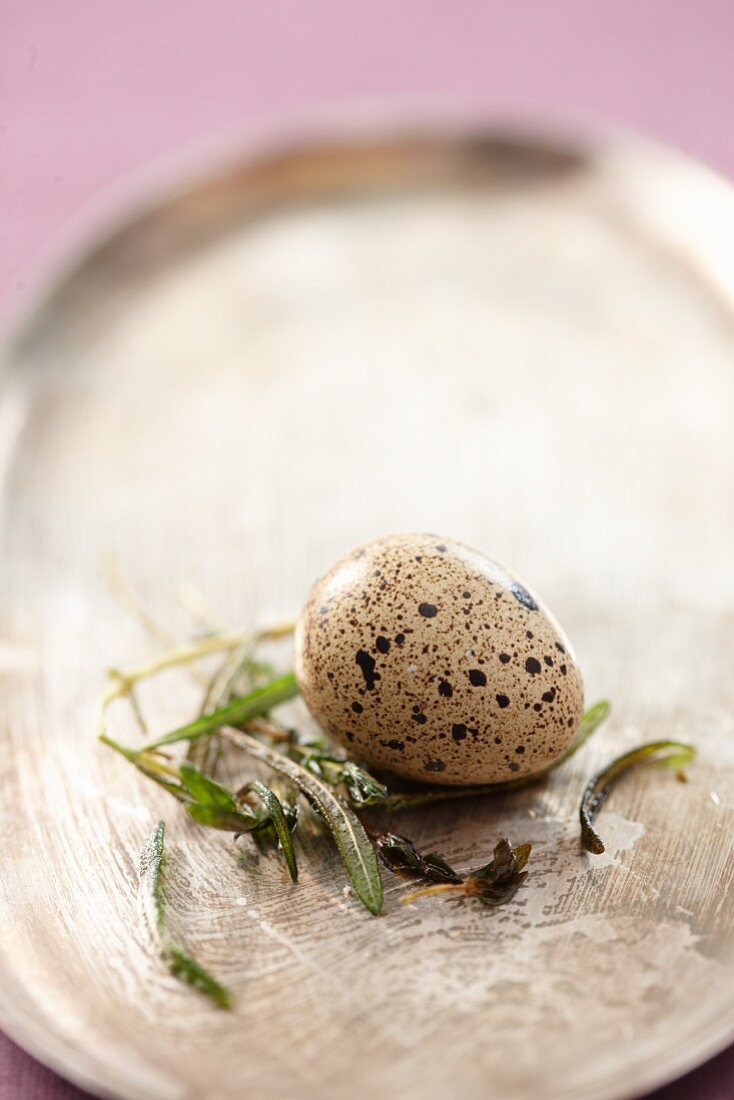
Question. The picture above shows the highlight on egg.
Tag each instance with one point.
(430, 660)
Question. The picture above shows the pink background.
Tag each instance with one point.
(91, 90)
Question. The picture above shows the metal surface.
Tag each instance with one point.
(524, 345)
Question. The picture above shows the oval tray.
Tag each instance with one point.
(522, 342)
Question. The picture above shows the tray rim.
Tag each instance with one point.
(172, 177)
(174, 174)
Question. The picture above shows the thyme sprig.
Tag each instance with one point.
(673, 754)
(180, 964)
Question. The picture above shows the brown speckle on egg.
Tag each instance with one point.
(462, 679)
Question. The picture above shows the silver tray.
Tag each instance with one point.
(526, 343)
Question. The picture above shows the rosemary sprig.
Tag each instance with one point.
(180, 964)
(358, 855)
(673, 754)
(207, 802)
(351, 840)
(493, 884)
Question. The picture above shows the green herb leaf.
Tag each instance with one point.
(256, 703)
(498, 881)
(673, 754)
(590, 722)
(354, 847)
(179, 963)
(594, 716)
(275, 814)
(204, 789)
(230, 821)
(264, 835)
(363, 789)
(402, 858)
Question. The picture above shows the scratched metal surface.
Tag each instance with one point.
(523, 344)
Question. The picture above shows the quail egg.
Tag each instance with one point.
(430, 660)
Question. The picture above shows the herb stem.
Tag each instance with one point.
(130, 602)
(671, 753)
(428, 891)
(122, 682)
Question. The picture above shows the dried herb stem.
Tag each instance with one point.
(429, 891)
(123, 681)
(131, 603)
(673, 754)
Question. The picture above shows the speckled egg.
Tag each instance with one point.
(428, 659)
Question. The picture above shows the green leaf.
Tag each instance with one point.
(230, 821)
(363, 789)
(180, 964)
(352, 842)
(590, 722)
(673, 754)
(204, 789)
(274, 810)
(265, 836)
(498, 881)
(493, 884)
(401, 857)
(252, 705)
